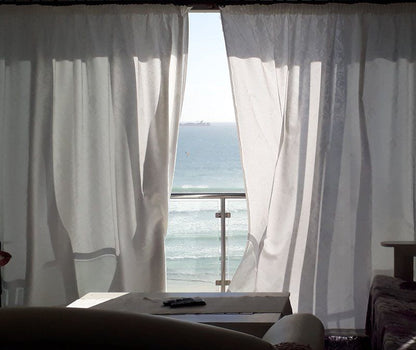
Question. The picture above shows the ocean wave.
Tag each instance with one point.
(242, 213)
(194, 186)
(205, 237)
(186, 188)
(190, 279)
(186, 206)
(189, 210)
(193, 257)
(204, 257)
(181, 228)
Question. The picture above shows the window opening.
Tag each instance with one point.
(207, 165)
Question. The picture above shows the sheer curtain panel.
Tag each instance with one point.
(325, 104)
(90, 98)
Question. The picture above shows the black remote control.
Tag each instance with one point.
(171, 301)
(183, 302)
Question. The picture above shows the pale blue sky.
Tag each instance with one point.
(208, 91)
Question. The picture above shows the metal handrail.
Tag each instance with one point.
(222, 214)
(208, 195)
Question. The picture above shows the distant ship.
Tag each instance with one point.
(200, 123)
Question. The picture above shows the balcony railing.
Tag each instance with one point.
(222, 214)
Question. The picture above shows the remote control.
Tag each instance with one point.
(186, 302)
(171, 301)
(182, 302)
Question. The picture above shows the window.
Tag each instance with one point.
(208, 161)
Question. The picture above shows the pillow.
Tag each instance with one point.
(291, 346)
(408, 285)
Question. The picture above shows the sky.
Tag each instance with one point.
(208, 94)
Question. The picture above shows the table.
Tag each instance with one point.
(252, 313)
(404, 251)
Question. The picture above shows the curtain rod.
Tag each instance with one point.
(195, 4)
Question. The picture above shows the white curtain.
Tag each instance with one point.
(325, 105)
(90, 98)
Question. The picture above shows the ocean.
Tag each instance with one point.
(208, 160)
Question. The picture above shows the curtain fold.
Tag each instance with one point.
(90, 99)
(324, 99)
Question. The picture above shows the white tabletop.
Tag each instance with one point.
(255, 321)
(92, 299)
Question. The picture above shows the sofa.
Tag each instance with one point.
(391, 314)
(79, 328)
